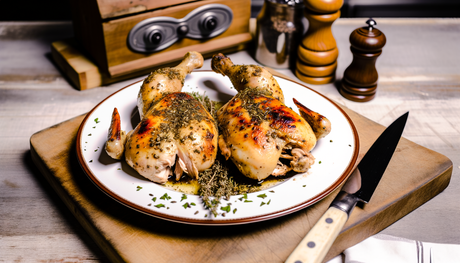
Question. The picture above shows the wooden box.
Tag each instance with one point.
(102, 28)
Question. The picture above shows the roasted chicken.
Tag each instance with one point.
(260, 134)
(175, 128)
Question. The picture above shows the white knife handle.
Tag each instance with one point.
(314, 247)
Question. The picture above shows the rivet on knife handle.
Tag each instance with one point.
(314, 246)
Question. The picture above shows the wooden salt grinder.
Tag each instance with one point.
(317, 53)
(359, 82)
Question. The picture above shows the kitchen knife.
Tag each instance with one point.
(359, 187)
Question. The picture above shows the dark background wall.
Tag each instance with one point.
(390, 8)
(45, 10)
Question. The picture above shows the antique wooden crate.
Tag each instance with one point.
(102, 29)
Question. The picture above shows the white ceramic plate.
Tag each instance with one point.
(335, 157)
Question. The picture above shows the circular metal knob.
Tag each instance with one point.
(209, 23)
(154, 37)
(182, 30)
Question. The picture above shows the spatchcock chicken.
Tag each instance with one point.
(176, 133)
(260, 134)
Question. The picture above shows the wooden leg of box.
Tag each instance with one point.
(81, 71)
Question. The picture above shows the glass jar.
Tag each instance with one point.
(279, 32)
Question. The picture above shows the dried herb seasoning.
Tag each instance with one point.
(223, 178)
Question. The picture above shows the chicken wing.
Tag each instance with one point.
(320, 124)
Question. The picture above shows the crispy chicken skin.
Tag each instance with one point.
(258, 129)
(246, 76)
(175, 128)
(177, 125)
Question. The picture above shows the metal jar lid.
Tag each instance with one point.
(287, 2)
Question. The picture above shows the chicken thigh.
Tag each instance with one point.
(175, 128)
(260, 134)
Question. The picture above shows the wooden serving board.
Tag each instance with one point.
(414, 176)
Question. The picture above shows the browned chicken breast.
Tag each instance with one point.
(177, 125)
(258, 129)
(260, 134)
(175, 129)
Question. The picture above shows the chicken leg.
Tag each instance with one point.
(175, 128)
(247, 76)
(166, 80)
(260, 134)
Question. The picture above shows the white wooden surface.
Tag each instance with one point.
(419, 72)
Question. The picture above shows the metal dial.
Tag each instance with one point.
(157, 33)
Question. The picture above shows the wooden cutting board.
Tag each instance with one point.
(414, 176)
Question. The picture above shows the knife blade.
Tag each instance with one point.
(359, 188)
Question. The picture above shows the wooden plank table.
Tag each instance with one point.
(419, 71)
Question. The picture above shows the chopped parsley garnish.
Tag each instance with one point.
(186, 205)
(159, 205)
(262, 196)
(165, 197)
(226, 208)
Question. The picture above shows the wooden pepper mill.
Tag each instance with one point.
(318, 52)
(359, 82)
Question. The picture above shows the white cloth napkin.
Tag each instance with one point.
(382, 248)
